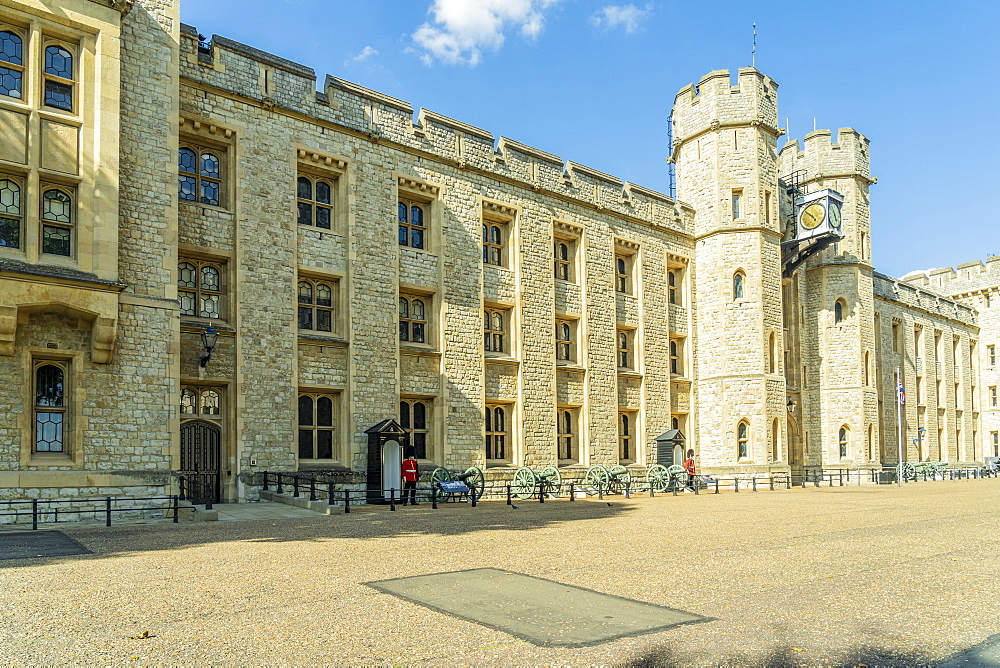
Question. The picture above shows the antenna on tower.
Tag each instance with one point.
(753, 52)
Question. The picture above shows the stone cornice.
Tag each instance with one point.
(122, 6)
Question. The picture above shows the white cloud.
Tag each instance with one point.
(628, 17)
(366, 53)
(461, 29)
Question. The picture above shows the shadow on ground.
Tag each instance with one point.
(863, 655)
(447, 521)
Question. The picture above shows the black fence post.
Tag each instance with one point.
(472, 496)
(753, 483)
(673, 487)
(34, 515)
(652, 491)
(392, 498)
(716, 485)
(280, 489)
(541, 492)
(312, 489)
(295, 486)
(696, 486)
(628, 491)
(209, 495)
(181, 483)
(265, 481)
(600, 492)
(347, 501)
(509, 502)
(434, 498)
(177, 508)
(107, 510)
(770, 482)
(572, 494)
(840, 475)
(736, 485)
(788, 481)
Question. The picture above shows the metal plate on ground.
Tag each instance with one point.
(34, 544)
(540, 611)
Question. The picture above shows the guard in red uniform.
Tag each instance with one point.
(689, 467)
(410, 476)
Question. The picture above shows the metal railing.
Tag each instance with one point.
(42, 510)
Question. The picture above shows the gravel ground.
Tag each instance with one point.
(835, 576)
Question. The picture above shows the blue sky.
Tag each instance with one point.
(593, 82)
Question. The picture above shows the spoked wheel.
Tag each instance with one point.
(476, 482)
(523, 484)
(440, 474)
(658, 477)
(678, 475)
(551, 480)
(598, 478)
(621, 478)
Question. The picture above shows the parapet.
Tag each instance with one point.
(824, 157)
(276, 83)
(890, 289)
(716, 102)
(967, 278)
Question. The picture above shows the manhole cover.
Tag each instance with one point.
(33, 544)
(540, 611)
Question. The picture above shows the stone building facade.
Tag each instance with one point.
(506, 306)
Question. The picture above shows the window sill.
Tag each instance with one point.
(629, 373)
(307, 335)
(561, 281)
(192, 322)
(569, 366)
(330, 464)
(498, 464)
(422, 251)
(569, 464)
(500, 358)
(210, 207)
(417, 349)
(51, 459)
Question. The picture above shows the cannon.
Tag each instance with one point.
(661, 478)
(526, 481)
(609, 481)
(472, 477)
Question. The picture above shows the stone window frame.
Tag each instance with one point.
(313, 307)
(57, 80)
(62, 408)
(420, 434)
(566, 339)
(844, 441)
(203, 136)
(566, 251)
(49, 220)
(626, 353)
(993, 396)
(200, 292)
(739, 285)
(567, 435)
(743, 442)
(315, 427)
(996, 443)
(991, 355)
(198, 176)
(410, 318)
(496, 340)
(675, 349)
(839, 309)
(200, 398)
(16, 67)
(497, 221)
(414, 193)
(627, 435)
(497, 433)
(314, 202)
(15, 218)
(673, 285)
(626, 255)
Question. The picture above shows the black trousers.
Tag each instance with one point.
(410, 487)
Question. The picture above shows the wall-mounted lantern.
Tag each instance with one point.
(208, 339)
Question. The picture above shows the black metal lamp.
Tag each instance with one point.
(208, 339)
(791, 405)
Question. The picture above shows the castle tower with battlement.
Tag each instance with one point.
(725, 151)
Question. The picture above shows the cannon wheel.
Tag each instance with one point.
(621, 477)
(476, 481)
(440, 474)
(551, 480)
(523, 484)
(598, 478)
(658, 477)
(678, 475)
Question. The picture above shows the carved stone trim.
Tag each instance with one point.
(567, 228)
(320, 159)
(499, 209)
(418, 186)
(103, 333)
(189, 125)
(624, 244)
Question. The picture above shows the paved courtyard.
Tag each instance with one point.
(843, 575)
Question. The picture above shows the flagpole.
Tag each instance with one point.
(899, 427)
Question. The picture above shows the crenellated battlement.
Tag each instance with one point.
(716, 102)
(824, 157)
(966, 278)
(276, 83)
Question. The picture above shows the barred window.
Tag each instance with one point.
(493, 247)
(11, 64)
(316, 305)
(316, 426)
(50, 407)
(493, 330)
(412, 228)
(315, 202)
(199, 175)
(59, 77)
(412, 319)
(414, 417)
(11, 216)
(57, 222)
(200, 288)
(201, 402)
(496, 432)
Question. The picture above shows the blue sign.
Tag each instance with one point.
(453, 486)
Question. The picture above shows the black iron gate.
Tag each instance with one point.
(200, 461)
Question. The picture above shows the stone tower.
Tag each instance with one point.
(833, 347)
(725, 150)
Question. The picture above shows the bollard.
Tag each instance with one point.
(816, 478)
(392, 498)
(831, 480)
(347, 501)
(600, 491)
(280, 488)
(572, 495)
(509, 502)
(176, 507)
(840, 476)
(329, 492)
(788, 481)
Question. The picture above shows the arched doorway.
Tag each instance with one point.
(200, 459)
(794, 444)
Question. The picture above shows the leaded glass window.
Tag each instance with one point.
(621, 274)
(11, 64)
(199, 175)
(562, 259)
(743, 440)
(493, 330)
(57, 222)
(412, 228)
(316, 426)
(412, 319)
(201, 402)
(315, 202)
(316, 305)
(493, 244)
(625, 437)
(10, 214)
(566, 439)
(738, 281)
(496, 432)
(58, 77)
(624, 349)
(414, 418)
(199, 289)
(842, 439)
(50, 407)
(564, 341)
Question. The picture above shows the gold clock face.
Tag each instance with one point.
(812, 215)
(835, 214)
